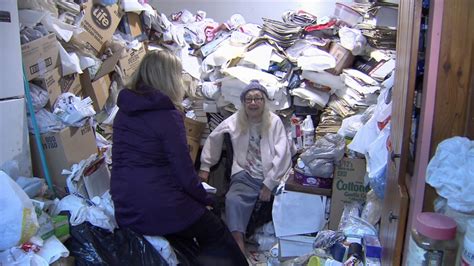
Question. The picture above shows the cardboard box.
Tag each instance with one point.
(344, 58)
(348, 186)
(95, 180)
(193, 145)
(98, 87)
(50, 82)
(56, 85)
(130, 62)
(71, 83)
(99, 23)
(98, 90)
(194, 128)
(131, 24)
(62, 150)
(40, 56)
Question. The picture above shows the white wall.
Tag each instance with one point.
(252, 11)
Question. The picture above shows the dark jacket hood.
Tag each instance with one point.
(146, 99)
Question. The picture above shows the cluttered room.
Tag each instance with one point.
(263, 133)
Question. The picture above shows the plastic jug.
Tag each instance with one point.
(308, 132)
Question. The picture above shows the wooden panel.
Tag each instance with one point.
(396, 195)
(454, 80)
(396, 219)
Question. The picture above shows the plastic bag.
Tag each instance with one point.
(373, 208)
(326, 238)
(321, 156)
(353, 40)
(17, 257)
(47, 122)
(92, 245)
(19, 222)
(352, 224)
(39, 96)
(450, 172)
(291, 215)
(164, 248)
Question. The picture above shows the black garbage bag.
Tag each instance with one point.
(91, 245)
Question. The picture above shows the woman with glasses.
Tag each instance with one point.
(261, 157)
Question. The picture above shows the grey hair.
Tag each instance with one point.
(161, 70)
(243, 121)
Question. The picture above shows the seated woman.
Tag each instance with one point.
(261, 157)
(154, 186)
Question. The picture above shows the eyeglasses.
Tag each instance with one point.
(256, 100)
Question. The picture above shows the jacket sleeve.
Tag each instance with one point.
(176, 147)
(281, 160)
(211, 152)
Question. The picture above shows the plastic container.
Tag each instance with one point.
(433, 240)
(347, 14)
(308, 132)
(467, 257)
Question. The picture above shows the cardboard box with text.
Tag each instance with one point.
(99, 23)
(348, 186)
(62, 150)
(40, 56)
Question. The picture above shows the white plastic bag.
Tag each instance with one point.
(17, 257)
(47, 122)
(450, 172)
(297, 213)
(18, 221)
(164, 248)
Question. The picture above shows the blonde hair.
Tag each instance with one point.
(243, 120)
(161, 70)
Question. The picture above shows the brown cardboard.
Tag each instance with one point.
(71, 83)
(344, 58)
(193, 145)
(98, 88)
(348, 186)
(55, 84)
(194, 128)
(50, 82)
(99, 24)
(62, 150)
(131, 24)
(129, 63)
(40, 56)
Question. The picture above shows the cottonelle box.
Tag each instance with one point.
(62, 150)
(40, 56)
(348, 186)
(99, 24)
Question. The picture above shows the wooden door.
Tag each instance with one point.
(393, 220)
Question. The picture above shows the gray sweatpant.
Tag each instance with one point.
(240, 200)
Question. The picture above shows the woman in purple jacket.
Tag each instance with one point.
(154, 185)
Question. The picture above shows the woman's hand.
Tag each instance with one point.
(203, 175)
(265, 194)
